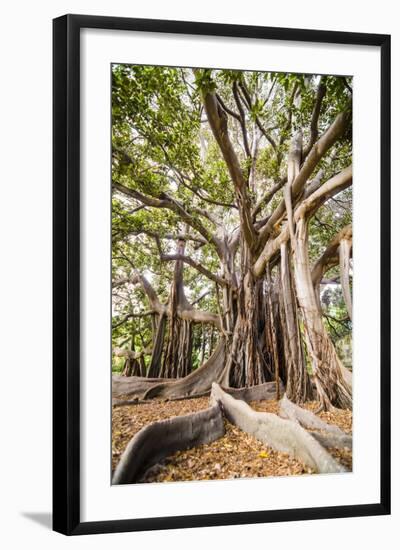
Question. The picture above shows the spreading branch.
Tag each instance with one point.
(321, 91)
(196, 265)
(330, 257)
(217, 119)
(128, 316)
(165, 201)
(318, 151)
(334, 185)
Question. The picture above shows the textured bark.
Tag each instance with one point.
(154, 370)
(249, 360)
(195, 384)
(203, 344)
(332, 382)
(298, 386)
(272, 335)
(198, 382)
(306, 418)
(217, 119)
(178, 353)
(177, 362)
(327, 434)
(160, 439)
(329, 440)
(134, 367)
(133, 385)
(262, 341)
(298, 383)
(263, 392)
(134, 361)
(282, 435)
(319, 149)
(330, 258)
(309, 205)
(172, 324)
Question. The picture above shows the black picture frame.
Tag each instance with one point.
(66, 273)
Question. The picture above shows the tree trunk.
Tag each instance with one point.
(177, 361)
(178, 354)
(272, 333)
(249, 359)
(132, 366)
(158, 343)
(329, 373)
(298, 387)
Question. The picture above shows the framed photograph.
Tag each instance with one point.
(221, 274)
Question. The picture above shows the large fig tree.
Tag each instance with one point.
(231, 209)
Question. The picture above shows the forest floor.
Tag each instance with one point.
(235, 455)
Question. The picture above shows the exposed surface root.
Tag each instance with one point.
(196, 383)
(281, 435)
(333, 441)
(266, 391)
(339, 445)
(137, 401)
(340, 417)
(306, 418)
(133, 385)
(160, 439)
(127, 421)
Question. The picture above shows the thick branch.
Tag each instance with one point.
(266, 199)
(242, 119)
(320, 148)
(330, 257)
(334, 185)
(226, 109)
(293, 169)
(196, 265)
(130, 316)
(199, 316)
(164, 201)
(219, 126)
(321, 91)
(151, 294)
(200, 297)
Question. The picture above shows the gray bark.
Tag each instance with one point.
(163, 438)
(282, 435)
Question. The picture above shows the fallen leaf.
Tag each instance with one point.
(263, 454)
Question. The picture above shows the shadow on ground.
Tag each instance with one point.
(42, 518)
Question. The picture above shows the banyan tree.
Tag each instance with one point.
(231, 215)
